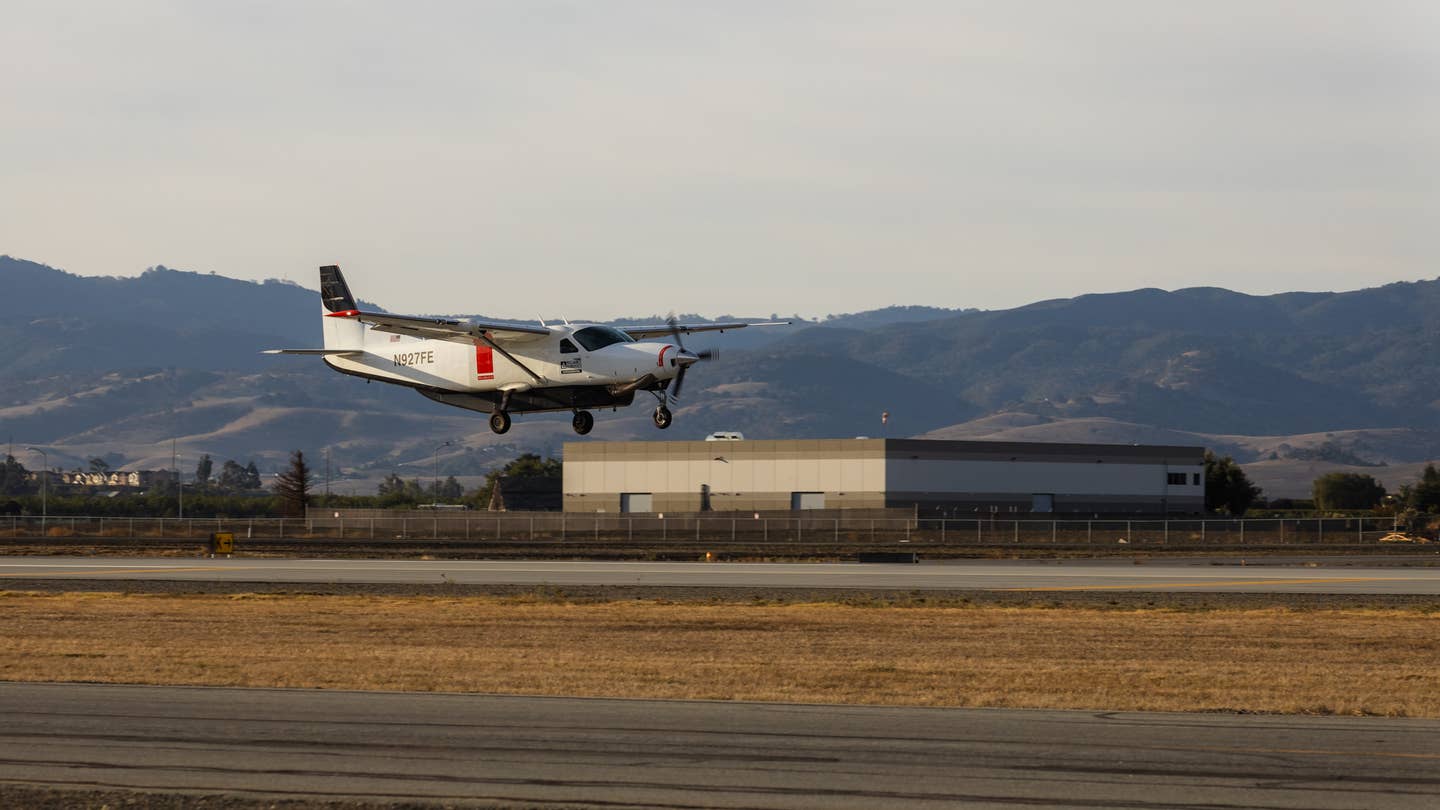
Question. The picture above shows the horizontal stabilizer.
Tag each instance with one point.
(321, 352)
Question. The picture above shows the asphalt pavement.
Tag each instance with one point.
(1199, 575)
(504, 751)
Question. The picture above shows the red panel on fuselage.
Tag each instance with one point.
(484, 363)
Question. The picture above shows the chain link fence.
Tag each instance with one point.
(560, 527)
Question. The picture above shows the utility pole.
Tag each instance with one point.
(327, 476)
(44, 488)
(435, 475)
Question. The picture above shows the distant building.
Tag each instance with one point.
(960, 479)
(113, 479)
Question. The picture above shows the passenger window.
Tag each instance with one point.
(566, 347)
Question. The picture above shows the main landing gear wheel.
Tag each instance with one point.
(663, 417)
(499, 421)
(582, 422)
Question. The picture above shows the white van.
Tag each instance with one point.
(725, 436)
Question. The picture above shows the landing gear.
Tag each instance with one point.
(582, 422)
(663, 417)
(500, 421)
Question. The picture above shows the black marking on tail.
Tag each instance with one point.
(334, 292)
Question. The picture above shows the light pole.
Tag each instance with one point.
(435, 475)
(44, 488)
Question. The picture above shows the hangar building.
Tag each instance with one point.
(953, 478)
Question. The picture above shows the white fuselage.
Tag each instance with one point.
(557, 359)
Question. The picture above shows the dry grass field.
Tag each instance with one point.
(1384, 662)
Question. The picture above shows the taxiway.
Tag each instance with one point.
(1113, 575)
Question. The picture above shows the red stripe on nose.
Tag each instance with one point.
(661, 360)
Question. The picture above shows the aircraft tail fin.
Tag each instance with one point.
(345, 334)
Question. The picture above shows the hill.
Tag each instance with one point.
(119, 367)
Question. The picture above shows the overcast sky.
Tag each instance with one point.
(597, 159)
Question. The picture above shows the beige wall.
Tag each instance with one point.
(856, 474)
(750, 475)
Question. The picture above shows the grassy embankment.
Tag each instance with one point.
(1265, 660)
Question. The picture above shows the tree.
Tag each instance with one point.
(449, 490)
(1339, 490)
(252, 477)
(99, 465)
(528, 465)
(232, 477)
(203, 470)
(1423, 495)
(14, 478)
(1227, 488)
(293, 486)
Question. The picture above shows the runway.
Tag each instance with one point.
(495, 751)
(1110, 575)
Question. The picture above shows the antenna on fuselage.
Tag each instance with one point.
(565, 319)
(542, 322)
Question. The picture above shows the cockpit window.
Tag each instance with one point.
(566, 347)
(598, 337)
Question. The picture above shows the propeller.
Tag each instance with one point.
(684, 358)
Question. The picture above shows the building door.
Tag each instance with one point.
(1042, 503)
(807, 500)
(637, 502)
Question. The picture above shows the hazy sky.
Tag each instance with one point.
(608, 158)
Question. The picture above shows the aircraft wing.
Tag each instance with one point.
(320, 352)
(665, 329)
(442, 328)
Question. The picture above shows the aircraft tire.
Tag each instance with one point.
(499, 421)
(582, 422)
(663, 417)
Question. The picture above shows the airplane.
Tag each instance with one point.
(503, 368)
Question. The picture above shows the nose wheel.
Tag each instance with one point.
(663, 417)
(500, 421)
(582, 422)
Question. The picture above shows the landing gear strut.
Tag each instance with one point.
(663, 417)
(500, 421)
(582, 422)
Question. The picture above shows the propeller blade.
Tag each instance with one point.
(679, 381)
(675, 331)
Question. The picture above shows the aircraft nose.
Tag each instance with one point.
(686, 359)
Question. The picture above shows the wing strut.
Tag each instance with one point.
(507, 355)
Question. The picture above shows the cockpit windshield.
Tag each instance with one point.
(598, 337)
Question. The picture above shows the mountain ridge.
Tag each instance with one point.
(137, 361)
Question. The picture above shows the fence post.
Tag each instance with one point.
(1360, 531)
(1202, 532)
(1321, 533)
(872, 530)
(1089, 532)
(282, 529)
(532, 529)
(1282, 531)
(732, 531)
(664, 530)
(1242, 531)
(697, 529)
(1166, 541)
(563, 527)
(765, 530)
(979, 531)
(837, 530)
(630, 530)
(942, 531)
(1053, 524)
(1015, 525)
